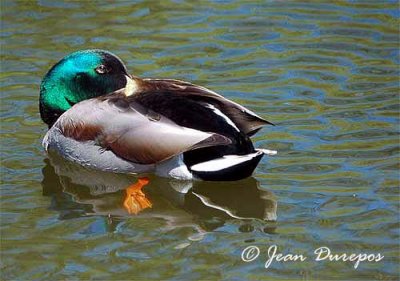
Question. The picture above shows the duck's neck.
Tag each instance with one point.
(53, 101)
(59, 91)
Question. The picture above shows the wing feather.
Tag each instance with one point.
(131, 131)
(246, 120)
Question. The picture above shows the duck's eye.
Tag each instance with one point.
(102, 69)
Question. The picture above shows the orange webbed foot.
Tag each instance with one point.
(135, 200)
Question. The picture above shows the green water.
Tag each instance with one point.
(326, 73)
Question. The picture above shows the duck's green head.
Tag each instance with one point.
(79, 76)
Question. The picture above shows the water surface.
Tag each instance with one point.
(326, 73)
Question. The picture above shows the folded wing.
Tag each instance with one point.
(131, 131)
(246, 120)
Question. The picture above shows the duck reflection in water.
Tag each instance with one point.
(78, 191)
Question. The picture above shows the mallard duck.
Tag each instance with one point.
(104, 118)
